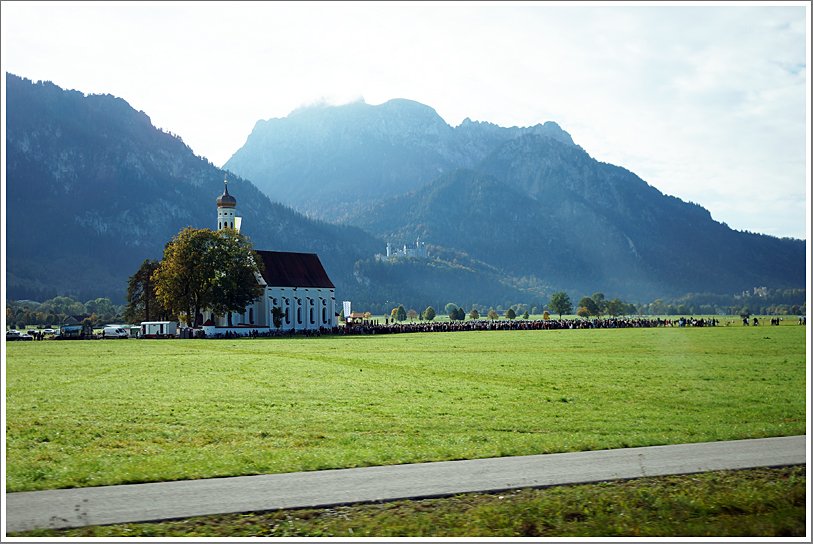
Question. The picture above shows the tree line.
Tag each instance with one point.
(596, 305)
(62, 310)
(761, 301)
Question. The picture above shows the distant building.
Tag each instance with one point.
(417, 252)
(761, 292)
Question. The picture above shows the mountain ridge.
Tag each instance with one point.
(364, 150)
(615, 231)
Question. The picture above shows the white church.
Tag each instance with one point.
(296, 283)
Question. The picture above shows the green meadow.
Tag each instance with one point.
(87, 413)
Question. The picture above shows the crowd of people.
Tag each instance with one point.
(373, 327)
(280, 333)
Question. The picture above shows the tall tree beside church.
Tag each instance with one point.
(142, 303)
(206, 269)
(183, 280)
(235, 286)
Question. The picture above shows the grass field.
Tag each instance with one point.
(88, 413)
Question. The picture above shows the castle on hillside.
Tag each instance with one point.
(418, 252)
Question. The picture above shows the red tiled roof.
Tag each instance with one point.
(286, 269)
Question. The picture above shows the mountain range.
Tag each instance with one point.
(527, 202)
(509, 214)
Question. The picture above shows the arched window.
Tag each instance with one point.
(287, 317)
(324, 315)
(251, 316)
(311, 314)
(299, 315)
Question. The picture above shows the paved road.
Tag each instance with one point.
(147, 502)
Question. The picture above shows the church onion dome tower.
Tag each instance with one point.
(225, 208)
(226, 200)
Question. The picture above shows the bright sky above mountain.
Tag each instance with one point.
(706, 102)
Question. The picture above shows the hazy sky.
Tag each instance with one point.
(707, 103)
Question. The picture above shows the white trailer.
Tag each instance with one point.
(158, 329)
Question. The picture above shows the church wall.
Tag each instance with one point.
(305, 308)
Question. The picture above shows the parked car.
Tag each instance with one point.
(115, 332)
(48, 331)
(13, 335)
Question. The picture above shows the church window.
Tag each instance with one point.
(299, 315)
(251, 316)
(324, 314)
(311, 316)
(287, 317)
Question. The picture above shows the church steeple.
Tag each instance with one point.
(226, 205)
